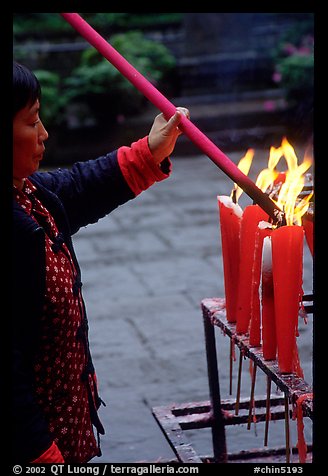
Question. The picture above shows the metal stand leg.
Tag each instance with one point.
(218, 429)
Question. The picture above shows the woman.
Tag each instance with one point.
(54, 392)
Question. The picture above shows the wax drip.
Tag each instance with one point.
(298, 413)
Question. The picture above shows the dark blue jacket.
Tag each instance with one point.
(75, 197)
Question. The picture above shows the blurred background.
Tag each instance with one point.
(247, 78)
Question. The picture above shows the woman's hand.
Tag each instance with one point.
(164, 134)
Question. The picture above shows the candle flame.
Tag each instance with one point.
(301, 208)
(244, 165)
(288, 200)
(284, 187)
(267, 176)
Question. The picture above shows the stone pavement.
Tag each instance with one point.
(145, 269)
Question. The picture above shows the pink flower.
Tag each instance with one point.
(276, 77)
(304, 51)
(289, 48)
(269, 105)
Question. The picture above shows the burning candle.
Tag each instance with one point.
(252, 215)
(269, 341)
(230, 215)
(287, 269)
(255, 320)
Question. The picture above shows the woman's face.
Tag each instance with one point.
(29, 135)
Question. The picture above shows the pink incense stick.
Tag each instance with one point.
(168, 109)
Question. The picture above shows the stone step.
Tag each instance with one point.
(234, 120)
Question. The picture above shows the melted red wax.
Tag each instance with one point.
(298, 413)
(296, 362)
(233, 349)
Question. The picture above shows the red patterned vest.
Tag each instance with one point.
(65, 382)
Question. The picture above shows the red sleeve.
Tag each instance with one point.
(51, 455)
(139, 168)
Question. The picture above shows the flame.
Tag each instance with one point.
(301, 208)
(288, 199)
(285, 192)
(267, 176)
(244, 165)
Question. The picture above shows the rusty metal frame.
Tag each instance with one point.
(216, 413)
(174, 419)
(292, 385)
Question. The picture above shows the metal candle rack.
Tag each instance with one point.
(217, 413)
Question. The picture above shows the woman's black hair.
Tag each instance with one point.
(26, 87)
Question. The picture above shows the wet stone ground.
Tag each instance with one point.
(145, 269)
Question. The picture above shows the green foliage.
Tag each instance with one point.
(31, 24)
(294, 61)
(43, 24)
(84, 83)
(296, 33)
(99, 83)
(296, 73)
(52, 99)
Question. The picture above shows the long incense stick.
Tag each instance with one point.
(251, 400)
(239, 382)
(168, 109)
(267, 411)
(287, 434)
(231, 365)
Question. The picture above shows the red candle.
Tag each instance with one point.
(252, 215)
(287, 269)
(269, 341)
(230, 215)
(255, 320)
(281, 177)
